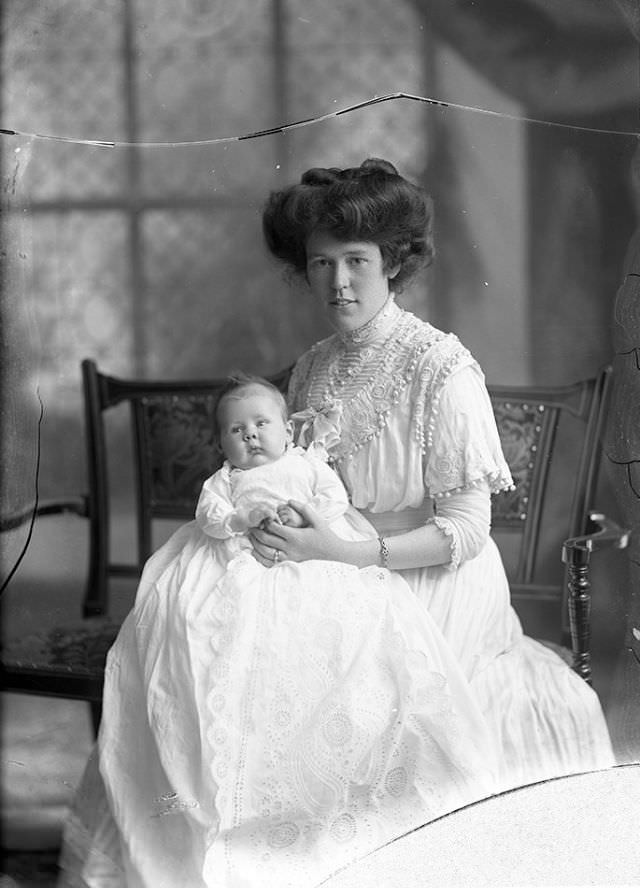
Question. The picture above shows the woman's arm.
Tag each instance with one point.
(458, 532)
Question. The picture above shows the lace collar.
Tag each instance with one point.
(379, 325)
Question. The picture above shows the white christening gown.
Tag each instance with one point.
(268, 726)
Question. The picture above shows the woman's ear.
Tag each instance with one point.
(393, 271)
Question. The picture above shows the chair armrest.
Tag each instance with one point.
(577, 550)
(576, 553)
(73, 505)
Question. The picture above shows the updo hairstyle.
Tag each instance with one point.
(371, 203)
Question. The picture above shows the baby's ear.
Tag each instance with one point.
(289, 428)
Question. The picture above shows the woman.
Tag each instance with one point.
(419, 454)
(347, 737)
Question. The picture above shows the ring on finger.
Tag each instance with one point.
(276, 555)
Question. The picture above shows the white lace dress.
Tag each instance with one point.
(416, 427)
(264, 727)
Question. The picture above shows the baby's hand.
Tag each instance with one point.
(289, 516)
(261, 514)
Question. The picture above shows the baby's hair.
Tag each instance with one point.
(238, 382)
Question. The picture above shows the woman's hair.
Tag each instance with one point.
(237, 383)
(372, 203)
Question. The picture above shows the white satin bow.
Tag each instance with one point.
(319, 430)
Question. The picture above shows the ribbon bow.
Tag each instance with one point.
(319, 429)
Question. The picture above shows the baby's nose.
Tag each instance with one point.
(250, 434)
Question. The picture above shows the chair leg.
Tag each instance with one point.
(96, 715)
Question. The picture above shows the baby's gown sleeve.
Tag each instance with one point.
(215, 509)
(329, 497)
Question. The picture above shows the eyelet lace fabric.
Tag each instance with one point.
(347, 729)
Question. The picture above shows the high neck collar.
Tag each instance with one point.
(375, 328)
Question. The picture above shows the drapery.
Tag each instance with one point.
(568, 58)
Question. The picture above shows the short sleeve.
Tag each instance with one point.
(463, 447)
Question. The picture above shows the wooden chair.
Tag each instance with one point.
(172, 449)
(171, 443)
(553, 496)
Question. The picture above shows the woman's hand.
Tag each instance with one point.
(315, 541)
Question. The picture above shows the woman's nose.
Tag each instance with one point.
(340, 276)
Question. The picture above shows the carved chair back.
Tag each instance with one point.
(551, 438)
(171, 427)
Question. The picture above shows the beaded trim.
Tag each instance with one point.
(497, 482)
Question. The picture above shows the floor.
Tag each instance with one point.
(45, 742)
(29, 869)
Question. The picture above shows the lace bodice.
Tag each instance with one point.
(414, 415)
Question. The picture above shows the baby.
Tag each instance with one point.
(292, 709)
(263, 470)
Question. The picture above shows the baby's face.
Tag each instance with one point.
(253, 430)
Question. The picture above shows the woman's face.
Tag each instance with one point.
(348, 278)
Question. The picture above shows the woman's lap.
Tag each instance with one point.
(546, 721)
(531, 712)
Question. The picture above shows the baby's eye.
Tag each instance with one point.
(261, 422)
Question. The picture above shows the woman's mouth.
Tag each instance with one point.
(340, 301)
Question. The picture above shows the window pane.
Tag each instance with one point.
(214, 302)
(63, 76)
(80, 297)
(205, 71)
